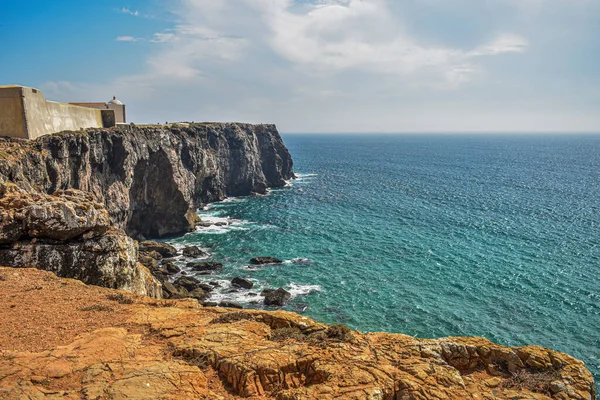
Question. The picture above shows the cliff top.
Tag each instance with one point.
(62, 338)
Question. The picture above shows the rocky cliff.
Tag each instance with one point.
(98, 343)
(152, 178)
(70, 202)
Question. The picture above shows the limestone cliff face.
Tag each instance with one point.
(71, 202)
(152, 178)
(71, 235)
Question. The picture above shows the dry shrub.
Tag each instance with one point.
(335, 333)
(120, 298)
(283, 334)
(339, 332)
(162, 304)
(537, 382)
(231, 317)
(96, 307)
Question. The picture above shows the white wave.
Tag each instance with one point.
(297, 290)
(216, 224)
(224, 292)
(302, 176)
(298, 260)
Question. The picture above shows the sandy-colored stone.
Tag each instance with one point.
(175, 349)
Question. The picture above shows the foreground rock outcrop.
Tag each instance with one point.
(71, 235)
(151, 178)
(98, 343)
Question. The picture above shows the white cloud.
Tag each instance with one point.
(126, 10)
(504, 43)
(161, 37)
(338, 65)
(320, 38)
(126, 39)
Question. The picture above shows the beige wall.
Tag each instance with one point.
(40, 117)
(43, 117)
(119, 112)
(12, 122)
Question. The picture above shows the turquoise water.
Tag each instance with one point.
(494, 236)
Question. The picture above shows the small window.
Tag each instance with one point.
(34, 90)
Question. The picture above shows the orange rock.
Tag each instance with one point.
(179, 350)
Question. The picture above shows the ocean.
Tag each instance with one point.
(429, 236)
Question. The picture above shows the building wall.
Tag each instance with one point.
(119, 112)
(43, 117)
(12, 121)
(40, 117)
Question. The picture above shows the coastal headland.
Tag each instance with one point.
(81, 206)
(63, 339)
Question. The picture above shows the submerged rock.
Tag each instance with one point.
(265, 260)
(243, 283)
(279, 297)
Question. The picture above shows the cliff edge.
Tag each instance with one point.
(98, 343)
(71, 202)
(152, 178)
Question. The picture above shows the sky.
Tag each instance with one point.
(317, 65)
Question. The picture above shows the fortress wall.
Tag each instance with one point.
(43, 117)
(12, 121)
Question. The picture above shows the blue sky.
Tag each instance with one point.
(318, 65)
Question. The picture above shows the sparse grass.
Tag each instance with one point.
(231, 317)
(162, 304)
(335, 333)
(537, 382)
(96, 307)
(120, 298)
(283, 334)
(339, 332)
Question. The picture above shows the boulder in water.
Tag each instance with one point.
(205, 266)
(172, 268)
(265, 260)
(241, 282)
(164, 249)
(188, 283)
(193, 252)
(278, 297)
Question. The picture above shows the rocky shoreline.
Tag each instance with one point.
(98, 343)
(160, 259)
(82, 205)
(73, 202)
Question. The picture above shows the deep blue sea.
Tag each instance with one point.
(429, 235)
